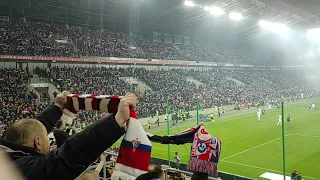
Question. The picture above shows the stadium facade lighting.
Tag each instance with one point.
(235, 16)
(216, 11)
(274, 27)
(206, 8)
(188, 3)
(314, 33)
(264, 24)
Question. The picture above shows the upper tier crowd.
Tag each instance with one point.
(23, 37)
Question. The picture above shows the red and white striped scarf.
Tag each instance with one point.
(135, 150)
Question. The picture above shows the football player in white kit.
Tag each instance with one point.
(313, 106)
(279, 120)
(259, 115)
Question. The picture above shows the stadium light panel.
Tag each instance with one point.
(216, 11)
(314, 33)
(189, 3)
(264, 23)
(235, 16)
(206, 8)
(274, 27)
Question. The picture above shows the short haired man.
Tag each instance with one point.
(60, 133)
(27, 143)
(154, 172)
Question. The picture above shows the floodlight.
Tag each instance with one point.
(264, 23)
(235, 16)
(206, 8)
(274, 27)
(188, 3)
(216, 11)
(314, 33)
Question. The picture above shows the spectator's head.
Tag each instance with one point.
(296, 171)
(176, 153)
(154, 172)
(157, 169)
(60, 125)
(29, 132)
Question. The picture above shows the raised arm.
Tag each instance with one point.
(53, 113)
(80, 150)
(179, 139)
(50, 116)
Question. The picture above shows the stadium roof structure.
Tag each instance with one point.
(168, 16)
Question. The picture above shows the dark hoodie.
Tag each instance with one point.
(72, 158)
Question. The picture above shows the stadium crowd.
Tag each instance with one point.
(16, 101)
(220, 87)
(22, 37)
(216, 89)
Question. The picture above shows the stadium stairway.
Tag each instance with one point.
(267, 80)
(135, 82)
(196, 82)
(36, 79)
(31, 89)
(239, 83)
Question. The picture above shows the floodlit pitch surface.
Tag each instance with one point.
(251, 147)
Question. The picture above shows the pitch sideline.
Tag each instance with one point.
(257, 167)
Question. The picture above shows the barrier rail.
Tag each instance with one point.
(166, 169)
(104, 169)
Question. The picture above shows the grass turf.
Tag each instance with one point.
(251, 147)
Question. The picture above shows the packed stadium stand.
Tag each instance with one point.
(40, 39)
(17, 101)
(165, 85)
(172, 85)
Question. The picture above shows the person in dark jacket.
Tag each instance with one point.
(154, 172)
(27, 142)
(60, 134)
(295, 175)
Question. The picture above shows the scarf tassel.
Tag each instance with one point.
(198, 165)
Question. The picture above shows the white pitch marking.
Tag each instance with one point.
(304, 135)
(266, 169)
(253, 148)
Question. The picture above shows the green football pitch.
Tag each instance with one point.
(251, 147)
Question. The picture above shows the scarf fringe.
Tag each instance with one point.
(198, 165)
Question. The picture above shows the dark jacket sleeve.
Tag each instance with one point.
(82, 149)
(175, 139)
(178, 139)
(75, 155)
(50, 116)
(60, 136)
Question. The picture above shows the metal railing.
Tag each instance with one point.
(166, 169)
(104, 169)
